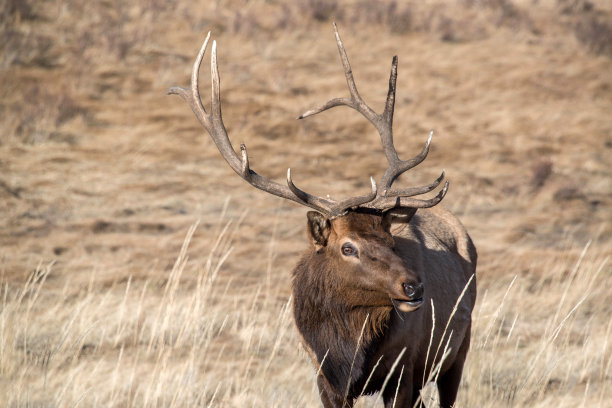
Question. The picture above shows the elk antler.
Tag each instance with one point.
(213, 123)
(380, 198)
(385, 197)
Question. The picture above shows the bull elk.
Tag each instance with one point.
(383, 296)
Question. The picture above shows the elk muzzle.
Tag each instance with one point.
(414, 297)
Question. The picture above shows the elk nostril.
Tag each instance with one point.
(413, 292)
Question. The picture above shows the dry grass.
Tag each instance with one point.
(106, 303)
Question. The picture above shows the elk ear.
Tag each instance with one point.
(319, 228)
(397, 216)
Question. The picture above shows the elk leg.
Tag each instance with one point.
(448, 382)
(329, 397)
(404, 396)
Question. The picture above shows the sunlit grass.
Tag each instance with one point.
(538, 338)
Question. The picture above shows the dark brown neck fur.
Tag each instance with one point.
(331, 326)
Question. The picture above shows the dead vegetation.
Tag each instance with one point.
(102, 176)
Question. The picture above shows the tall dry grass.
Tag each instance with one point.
(194, 341)
(540, 338)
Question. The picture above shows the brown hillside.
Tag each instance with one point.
(102, 176)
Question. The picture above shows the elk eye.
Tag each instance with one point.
(349, 249)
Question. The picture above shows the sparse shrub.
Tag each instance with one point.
(398, 20)
(401, 22)
(596, 34)
(320, 10)
(285, 19)
(507, 14)
(67, 109)
(540, 172)
(244, 22)
(39, 113)
(18, 9)
(446, 28)
(118, 43)
(373, 12)
(574, 6)
(26, 49)
(507, 10)
(568, 192)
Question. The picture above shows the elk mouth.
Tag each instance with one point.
(413, 293)
(407, 305)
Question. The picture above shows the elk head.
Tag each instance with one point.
(360, 249)
(353, 231)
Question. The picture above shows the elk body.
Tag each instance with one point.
(383, 296)
(362, 303)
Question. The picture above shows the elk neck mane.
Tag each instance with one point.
(340, 334)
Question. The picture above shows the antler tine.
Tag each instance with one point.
(318, 203)
(355, 101)
(390, 103)
(215, 104)
(397, 167)
(355, 202)
(412, 191)
(384, 203)
(416, 203)
(192, 95)
(330, 207)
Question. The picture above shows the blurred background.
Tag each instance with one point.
(138, 270)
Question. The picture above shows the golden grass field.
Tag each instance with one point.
(137, 270)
